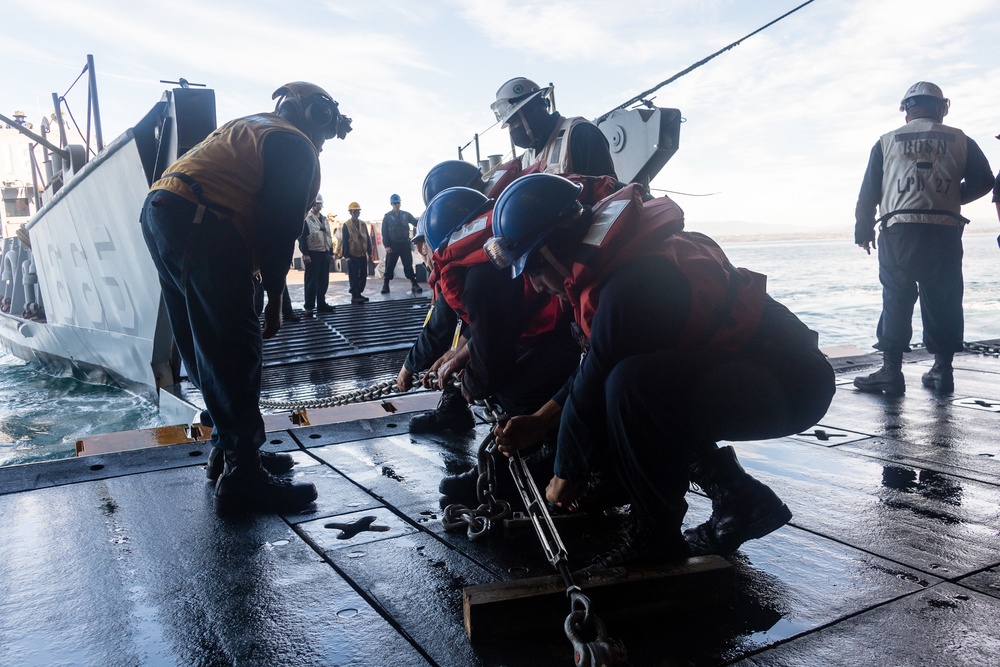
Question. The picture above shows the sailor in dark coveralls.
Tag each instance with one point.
(919, 176)
(685, 350)
(231, 208)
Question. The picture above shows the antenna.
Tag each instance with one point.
(641, 97)
(183, 83)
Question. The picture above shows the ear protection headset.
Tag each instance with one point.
(315, 107)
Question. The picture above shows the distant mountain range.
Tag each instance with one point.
(755, 231)
(749, 231)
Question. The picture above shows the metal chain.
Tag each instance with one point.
(982, 348)
(483, 519)
(370, 393)
(581, 623)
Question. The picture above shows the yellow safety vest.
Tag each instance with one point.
(232, 192)
(357, 238)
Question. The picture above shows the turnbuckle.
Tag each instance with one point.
(538, 512)
(601, 651)
(597, 651)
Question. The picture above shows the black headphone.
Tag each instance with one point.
(320, 112)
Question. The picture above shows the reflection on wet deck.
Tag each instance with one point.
(892, 556)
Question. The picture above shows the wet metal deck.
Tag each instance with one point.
(892, 557)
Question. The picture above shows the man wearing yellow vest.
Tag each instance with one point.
(356, 247)
(228, 210)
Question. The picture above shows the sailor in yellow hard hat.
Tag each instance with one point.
(356, 247)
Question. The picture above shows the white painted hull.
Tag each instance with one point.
(96, 278)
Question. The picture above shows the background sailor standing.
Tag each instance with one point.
(356, 247)
(229, 208)
(316, 244)
(919, 176)
(398, 227)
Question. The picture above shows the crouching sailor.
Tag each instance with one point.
(685, 350)
(231, 207)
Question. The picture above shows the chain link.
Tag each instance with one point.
(370, 393)
(492, 510)
(983, 348)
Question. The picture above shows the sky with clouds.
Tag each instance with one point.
(777, 131)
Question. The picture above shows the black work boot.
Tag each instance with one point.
(452, 413)
(275, 463)
(417, 289)
(464, 487)
(888, 379)
(941, 376)
(244, 484)
(645, 541)
(742, 507)
(385, 286)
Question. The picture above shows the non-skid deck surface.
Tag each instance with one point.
(892, 557)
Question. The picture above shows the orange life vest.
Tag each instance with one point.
(464, 249)
(726, 302)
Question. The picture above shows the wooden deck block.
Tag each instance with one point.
(107, 443)
(493, 611)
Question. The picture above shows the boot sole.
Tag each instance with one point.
(880, 389)
(758, 529)
(214, 473)
(939, 387)
(765, 525)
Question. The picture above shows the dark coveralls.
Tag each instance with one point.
(912, 254)
(639, 403)
(206, 273)
(396, 239)
(521, 378)
(435, 338)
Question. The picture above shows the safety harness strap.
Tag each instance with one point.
(199, 192)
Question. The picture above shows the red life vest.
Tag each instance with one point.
(464, 249)
(726, 302)
(506, 173)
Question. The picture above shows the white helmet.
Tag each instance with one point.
(319, 199)
(515, 94)
(923, 89)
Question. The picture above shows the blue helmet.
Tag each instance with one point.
(394, 199)
(448, 211)
(421, 235)
(526, 214)
(451, 174)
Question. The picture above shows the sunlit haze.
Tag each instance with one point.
(777, 132)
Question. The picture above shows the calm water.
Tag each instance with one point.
(832, 285)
